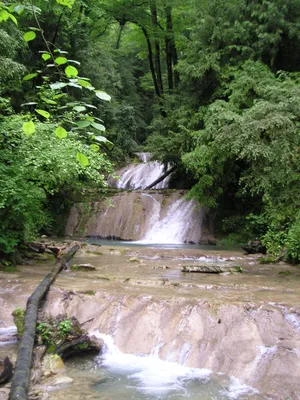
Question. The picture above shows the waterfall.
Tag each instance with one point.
(139, 176)
(163, 217)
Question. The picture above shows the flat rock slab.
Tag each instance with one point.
(210, 269)
(83, 267)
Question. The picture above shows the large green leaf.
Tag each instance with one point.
(83, 124)
(100, 127)
(82, 159)
(58, 85)
(60, 132)
(46, 56)
(71, 71)
(102, 95)
(44, 113)
(30, 76)
(84, 83)
(30, 35)
(28, 128)
(79, 108)
(60, 60)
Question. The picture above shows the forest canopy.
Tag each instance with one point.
(209, 87)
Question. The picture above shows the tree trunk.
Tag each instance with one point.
(122, 25)
(171, 51)
(21, 378)
(150, 57)
(162, 177)
(157, 48)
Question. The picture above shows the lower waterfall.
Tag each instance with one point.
(154, 217)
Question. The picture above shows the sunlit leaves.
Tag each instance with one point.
(67, 3)
(58, 85)
(60, 132)
(82, 159)
(28, 128)
(102, 95)
(30, 35)
(79, 108)
(46, 56)
(60, 60)
(30, 76)
(44, 113)
(94, 147)
(71, 71)
(84, 83)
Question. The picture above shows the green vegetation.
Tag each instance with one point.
(210, 87)
(19, 319)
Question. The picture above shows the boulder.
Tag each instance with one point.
(254, 247)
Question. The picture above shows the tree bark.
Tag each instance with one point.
(122, 25)
(171, 51)
(167, 173)
(157, 48)
(150, 57)
(21, 377)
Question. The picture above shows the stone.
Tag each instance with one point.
(134, 259)
(210, 269)
(53, 363)
(254, 247)
(47, 374)
(63, 380)
(83, 267)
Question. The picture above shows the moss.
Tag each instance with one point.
(88, 292)
(81, 346)
(266, 260)
(97, 253)
(284, 273)
(19, 318)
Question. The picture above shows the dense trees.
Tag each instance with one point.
(209, 86)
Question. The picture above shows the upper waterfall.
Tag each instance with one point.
(141, 175)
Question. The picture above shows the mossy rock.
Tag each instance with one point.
(267, 260)
(19, 319)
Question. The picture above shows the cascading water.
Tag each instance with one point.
(154, 217)
(139, 176)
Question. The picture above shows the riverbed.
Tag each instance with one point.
(174, 335)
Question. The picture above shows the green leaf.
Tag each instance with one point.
(4, 15)
(57, 85)
(48, 101)
(13, 18)
(82, 159)
(74, 61)
(79, 108)
(102, 95)
(31, 103)
(46, 56)
(90, 106)
(84, 83)
(60, 60)
(60, 132)
(43, 113)
(30, 35)
(71, 71)
(83, 124)
(100, 127)
(28, 128)
(67, 3)
(30, 76)
(94, 147)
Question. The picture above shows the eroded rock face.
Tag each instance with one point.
(253, 343)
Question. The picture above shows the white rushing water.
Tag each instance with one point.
(139, 176)
(148, 377)
(176, 226)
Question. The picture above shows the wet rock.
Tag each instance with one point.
(210, 269)
(63, 380)
(134, 260)
(6, 370)
(53, 363)
(254, 247)
(83, 267)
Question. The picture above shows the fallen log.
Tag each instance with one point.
(161, 178)
(21, 377)
(6, 370)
